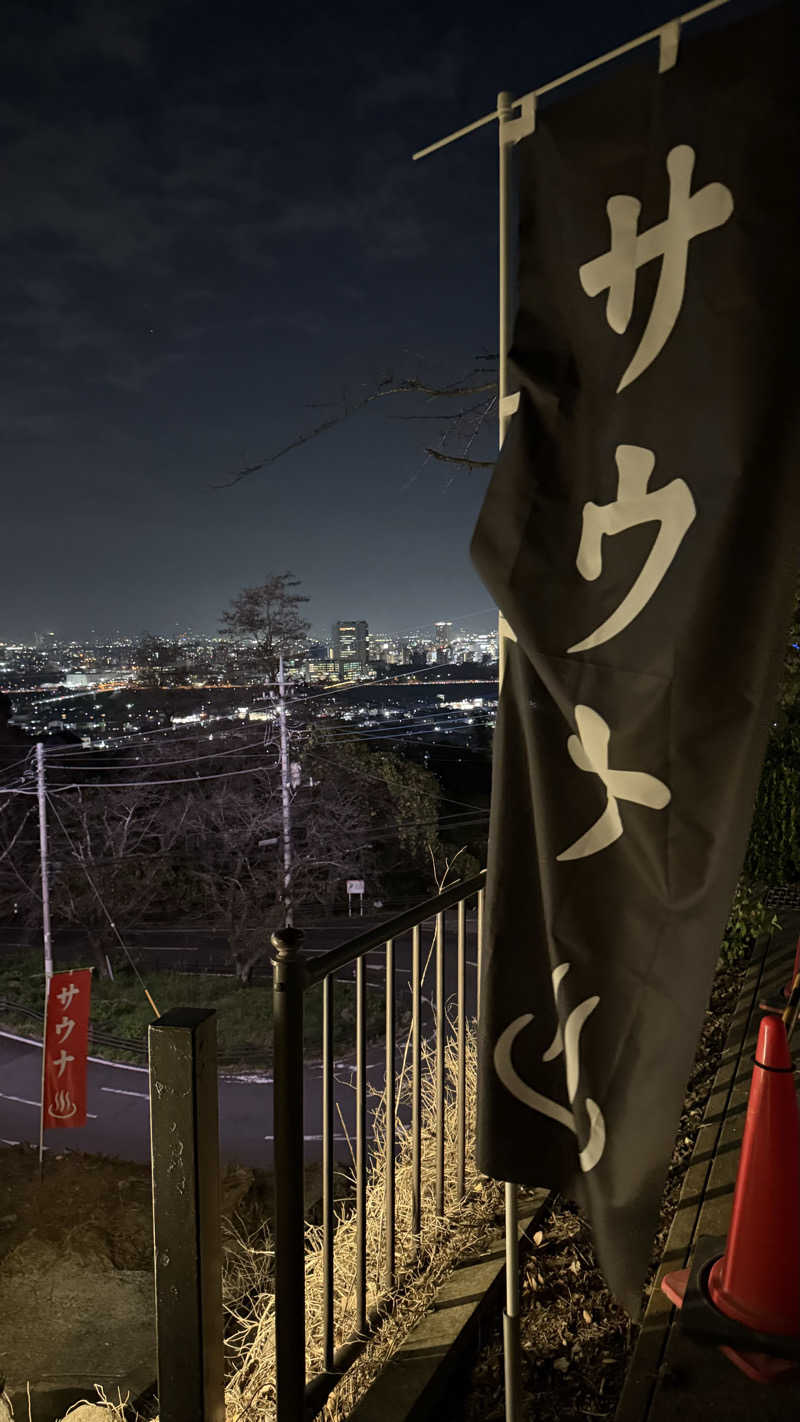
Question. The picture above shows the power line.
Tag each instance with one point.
(394, 738)
(122, 739)
(116, 740)
(101, 902)
(463, 823)
(408, 718)
(449, 821)
(356, 770)
(177, 780)
(400, 731)
(339, 688)
(383, 732)
(160, 764)
(147, 784)
(26, 759)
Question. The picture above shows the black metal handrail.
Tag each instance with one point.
(292, 977)
(354, 948)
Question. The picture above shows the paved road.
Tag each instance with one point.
(119, 1109)
(212, 955)
(199, 951)
(118, 1101)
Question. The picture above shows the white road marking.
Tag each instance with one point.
(314, 1138)
(370, 1065)
(101, 1061)
(25, 1102)
(249, 1078)
(118, 1091)
(29, 1041)
(127, 1066)
(161, 948)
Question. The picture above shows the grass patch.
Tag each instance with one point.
(244, 1015)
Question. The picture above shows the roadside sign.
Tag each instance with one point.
(66, 1047)
(355, 886)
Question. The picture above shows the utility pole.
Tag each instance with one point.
(285, 803)
(48, 942)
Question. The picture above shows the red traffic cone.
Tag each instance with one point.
(757, 1281)
(755, 1284)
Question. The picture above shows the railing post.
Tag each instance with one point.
(390, 1093)
(440, 1072)
(187, 1248)
(290, 1294)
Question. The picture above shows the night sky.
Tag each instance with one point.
(211, 223)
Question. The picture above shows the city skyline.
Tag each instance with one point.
(482, 622)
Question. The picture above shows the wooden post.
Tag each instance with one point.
(184, 1143)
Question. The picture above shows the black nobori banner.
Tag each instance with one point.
(641, 534)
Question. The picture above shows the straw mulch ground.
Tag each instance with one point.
(577, 1341)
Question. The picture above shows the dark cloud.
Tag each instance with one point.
(434, 78)
(211, 223)
(49, 42)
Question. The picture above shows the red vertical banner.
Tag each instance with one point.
(66, 1046)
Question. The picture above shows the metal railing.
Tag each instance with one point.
(431, 1027)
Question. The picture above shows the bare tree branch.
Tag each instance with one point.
(287, 448)
(455, 415)
(386, 387)
(460, 459)
(440, 391)
(16, 835)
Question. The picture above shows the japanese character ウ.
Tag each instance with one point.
(589, 751)
(65, 1025)
(688, 215)
(671, 506)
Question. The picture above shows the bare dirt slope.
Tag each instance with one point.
(76, 1274)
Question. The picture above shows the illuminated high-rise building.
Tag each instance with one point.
(350, 647)
(443, 632)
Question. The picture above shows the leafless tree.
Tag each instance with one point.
(232, 837)
(114, 855)
(19, 841)
(269, 616)
(200, 839)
